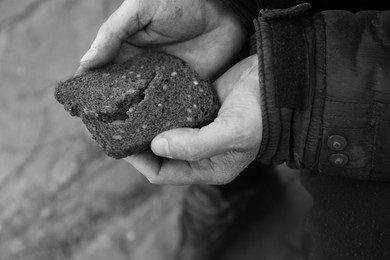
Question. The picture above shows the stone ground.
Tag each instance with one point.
(60, 196)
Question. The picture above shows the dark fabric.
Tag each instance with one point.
(213, 216)
(349, 220)
(278, 4)
(341, 61)
(290, 134)
(348, 65)
(358, 93)
(290, 73)
(247, 10)
(355, 6)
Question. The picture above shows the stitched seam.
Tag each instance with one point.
(263, 91)
(373, 153)
(278, 142)
(347, 102)
(312, 96)
(324, 79)
(347, 118)
(347, 128)
(321, 93)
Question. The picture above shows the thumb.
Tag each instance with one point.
(194, 144)
(124, 22)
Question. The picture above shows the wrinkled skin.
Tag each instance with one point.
(208, 36)
(202, 32)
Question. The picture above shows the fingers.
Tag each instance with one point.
(216, 153)
(237, 127)
(218, 170)
(146, 163)
(120, 25)
(195, 144)
(80, 70)
(162, 171)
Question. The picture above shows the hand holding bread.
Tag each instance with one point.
(208, 36)
(218, 152)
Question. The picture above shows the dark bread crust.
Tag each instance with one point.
(124, 106)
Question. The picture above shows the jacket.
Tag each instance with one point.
(325, 87)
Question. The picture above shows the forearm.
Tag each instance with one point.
(324, 83)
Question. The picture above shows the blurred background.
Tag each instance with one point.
(60, 196)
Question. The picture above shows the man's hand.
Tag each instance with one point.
(204, 33)
(218, 152)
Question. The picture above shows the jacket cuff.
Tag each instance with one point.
(292, 94)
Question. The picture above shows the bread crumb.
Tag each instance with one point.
(159, 104)
(173, 73)
(123, 77)
(117, 137)
(130, 91)
(107, 108)
(91, 113)
(189, 119)
(138, 75)
(189, 110)
(165, 87)
(195, 82)
(194, 106)
(117, 122)
(144, 126)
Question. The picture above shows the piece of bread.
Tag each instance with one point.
(124, 106)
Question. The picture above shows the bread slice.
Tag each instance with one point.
(124, 106)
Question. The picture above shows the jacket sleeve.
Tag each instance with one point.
(248, 10)
(325, 88)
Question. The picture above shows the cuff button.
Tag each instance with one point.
(337, 142)
(338, 159)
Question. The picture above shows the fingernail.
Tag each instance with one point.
(161, 147)
(88, 56)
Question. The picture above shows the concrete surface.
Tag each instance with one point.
(60, 196)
